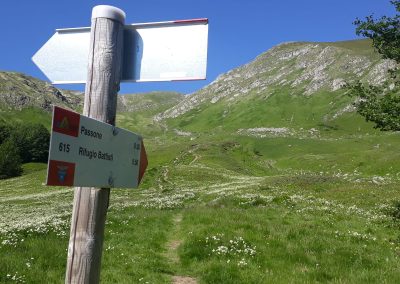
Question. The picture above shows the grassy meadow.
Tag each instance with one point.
(226, 207)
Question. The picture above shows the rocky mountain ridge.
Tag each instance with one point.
(18, 91)
(305, 68)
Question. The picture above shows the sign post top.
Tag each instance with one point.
(109, 12)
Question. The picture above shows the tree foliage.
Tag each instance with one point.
(32, 141)
(381, 105)
(385, 33)
(5, 131)
(22, 143)
(384, 110)
(10, 160)
(38, 138)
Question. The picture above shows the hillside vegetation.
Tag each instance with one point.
(292, 84)
(267, 175)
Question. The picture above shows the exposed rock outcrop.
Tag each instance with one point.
(305, 68)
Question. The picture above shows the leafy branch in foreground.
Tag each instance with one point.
(385, 33)
(383, 110)
(381, 105)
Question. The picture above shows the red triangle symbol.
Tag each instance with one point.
(143, 162)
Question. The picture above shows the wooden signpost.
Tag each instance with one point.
(90, 203)
(87, 151)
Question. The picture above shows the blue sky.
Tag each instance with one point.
(239, 30)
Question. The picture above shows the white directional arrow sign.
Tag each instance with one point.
(162, 51)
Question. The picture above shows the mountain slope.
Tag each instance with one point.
(19, 91)
(24, 98)
(136, 111)
(293, 86)
(153, 102)
(293, 83)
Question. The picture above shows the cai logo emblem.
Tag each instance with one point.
(64, 124)
(62, 173)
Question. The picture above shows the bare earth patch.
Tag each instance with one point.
(173, 255)
(174, 243)
(172, 247)
(183, 280)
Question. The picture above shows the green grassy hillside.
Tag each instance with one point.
(136, 112)
(324, 111)
(300, 84)
(359, 47)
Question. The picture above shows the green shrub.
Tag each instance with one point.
(32, 141)
(396, 210)
(10, 160)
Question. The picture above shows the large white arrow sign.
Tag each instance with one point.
(163, 51)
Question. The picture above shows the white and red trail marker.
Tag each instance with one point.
(87, 152)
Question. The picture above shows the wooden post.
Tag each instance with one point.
(91, 204)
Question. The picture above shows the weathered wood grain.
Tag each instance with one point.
(91, 204)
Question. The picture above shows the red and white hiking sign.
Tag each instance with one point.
(87, 152)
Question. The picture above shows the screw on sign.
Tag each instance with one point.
(162, 51)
